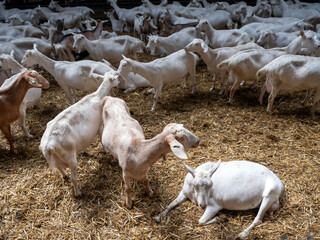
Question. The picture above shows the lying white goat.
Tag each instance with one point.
(123, 137)
(74, 129)
(162, 71)
(234, 185)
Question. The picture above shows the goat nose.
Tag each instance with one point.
(203, 206)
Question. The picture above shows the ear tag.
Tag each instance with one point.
(33, 80)
(176, 144)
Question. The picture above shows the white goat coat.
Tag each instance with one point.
(74, 129)
(237, 185)
(234, 185)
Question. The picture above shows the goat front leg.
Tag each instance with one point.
(7, 133)
(213, 82)
(127, 190)
(262, 92)
(147, 186)
(22, 120)
(180, 199)
(208, 216)
(307, 97)
(156, 97)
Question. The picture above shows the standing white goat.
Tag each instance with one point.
(69, 75)
(74, 129)
(222, 38)
(123, 137)
(234, 185)
(212, 57)
(170, 69)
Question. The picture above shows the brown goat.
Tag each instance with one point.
(11, 98)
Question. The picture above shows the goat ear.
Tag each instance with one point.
(35, 46)
(204, 46)
(190, 170)
(214, 168)
(12, 53)
(33, 81)
(176, 147)
(96, 76)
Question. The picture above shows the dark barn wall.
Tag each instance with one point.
(102, 4)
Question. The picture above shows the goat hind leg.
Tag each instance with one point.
(7, 133)
(273, 94)
(127, 190)
(265, 205)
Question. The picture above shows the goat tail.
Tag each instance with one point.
(224, 65)
(262, 73)
(103, 101)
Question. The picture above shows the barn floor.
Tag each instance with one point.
(35, 203)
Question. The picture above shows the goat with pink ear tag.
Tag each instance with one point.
(124, 139)
(234, 185)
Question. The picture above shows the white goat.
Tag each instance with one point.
(32, 96)
(69, 75)
(71, 19)
(234, 185)
(291, 73)
(110, 49)
(222, 38)
(117, 25)
(244, 65)
(21, 45)
(174, 42)
(21, 31)
(212, 57)
(123, 137)
(270, 39)
(162, 71)
(252, 28)
(74, 129)
(85, 11)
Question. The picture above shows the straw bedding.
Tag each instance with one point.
(35, 203)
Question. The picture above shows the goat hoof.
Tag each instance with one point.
(14, 151)
(30, 136)
(243, 235)
(129, 205)
(157, 219)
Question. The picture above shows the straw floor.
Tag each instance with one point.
(35, 203)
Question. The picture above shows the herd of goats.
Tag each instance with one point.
(274, 41)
